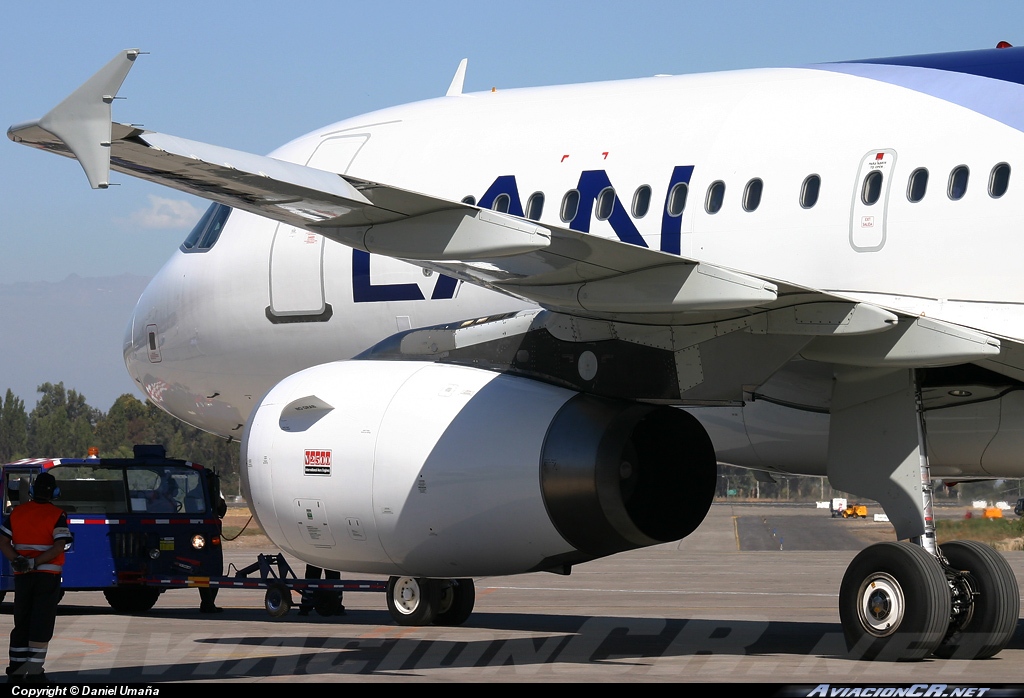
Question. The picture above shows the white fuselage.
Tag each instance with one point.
(218, 351)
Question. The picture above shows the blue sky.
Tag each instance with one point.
(256, 74)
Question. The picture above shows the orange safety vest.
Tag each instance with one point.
(35, 527)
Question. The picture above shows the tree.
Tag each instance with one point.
(61, 424)
(13, 428)
(128, 422)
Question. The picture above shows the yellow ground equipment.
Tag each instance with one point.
(855, 511)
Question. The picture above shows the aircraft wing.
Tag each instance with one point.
(568, 271)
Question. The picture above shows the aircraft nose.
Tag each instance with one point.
(142, 337)
(127, 344)
(136, 344)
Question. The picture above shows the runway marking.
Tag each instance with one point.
(390, 631)
(672, 591)
(98, 646)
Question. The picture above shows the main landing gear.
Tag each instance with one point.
(912, 599)
(422, 601)
(899, 602)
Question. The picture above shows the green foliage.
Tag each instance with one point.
(13, 428)
(63, 425)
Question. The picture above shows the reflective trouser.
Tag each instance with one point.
(36, 595)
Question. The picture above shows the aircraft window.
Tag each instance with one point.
(958, 182)
(501, 202)
(999, 180)
(918, 184)
(471, 200)
(605, 204)
(677, 199)
(752, 195)
(570, 205)
(716, 194)
(872, 189)
(641, 201)
(809, 191)
(535, 206)
(207, 230)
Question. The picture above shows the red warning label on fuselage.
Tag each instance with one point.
(317, 462)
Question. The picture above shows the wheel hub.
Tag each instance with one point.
(881, 604)
(407, 595)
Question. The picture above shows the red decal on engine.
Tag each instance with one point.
(318, 457)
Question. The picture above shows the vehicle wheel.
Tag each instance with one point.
(894, 603)
(277, 600)
(131, 599)
(457, 599)
(413, 600)
(990, 623)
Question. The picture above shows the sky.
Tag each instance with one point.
(253, 75)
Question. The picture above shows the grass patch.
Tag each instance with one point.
(236, 520)
(231, 532)
(983, 530)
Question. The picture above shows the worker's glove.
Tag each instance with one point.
(22, 564)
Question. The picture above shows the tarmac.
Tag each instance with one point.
(751, 597)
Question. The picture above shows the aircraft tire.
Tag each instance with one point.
(457, 600)
(992, 620)
(894, 603)
(413, 600)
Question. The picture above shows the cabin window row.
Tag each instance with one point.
(956, 185)
(675, 204)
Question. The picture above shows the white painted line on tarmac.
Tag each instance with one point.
(678, 592)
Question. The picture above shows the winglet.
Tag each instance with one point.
(82, 120)
(455, 89)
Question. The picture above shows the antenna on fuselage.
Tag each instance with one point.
(455, 89)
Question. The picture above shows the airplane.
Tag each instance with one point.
(514, 331)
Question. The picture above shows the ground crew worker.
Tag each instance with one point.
(32, 538)
(310, 600)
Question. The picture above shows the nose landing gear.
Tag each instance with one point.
(421, 601)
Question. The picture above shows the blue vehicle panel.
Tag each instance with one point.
(132, 519)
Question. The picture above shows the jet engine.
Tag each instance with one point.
(440, 470)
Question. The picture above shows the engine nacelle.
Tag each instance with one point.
(428, 469)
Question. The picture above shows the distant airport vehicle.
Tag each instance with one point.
(820, 265)
(131, 519)
(855, 511)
